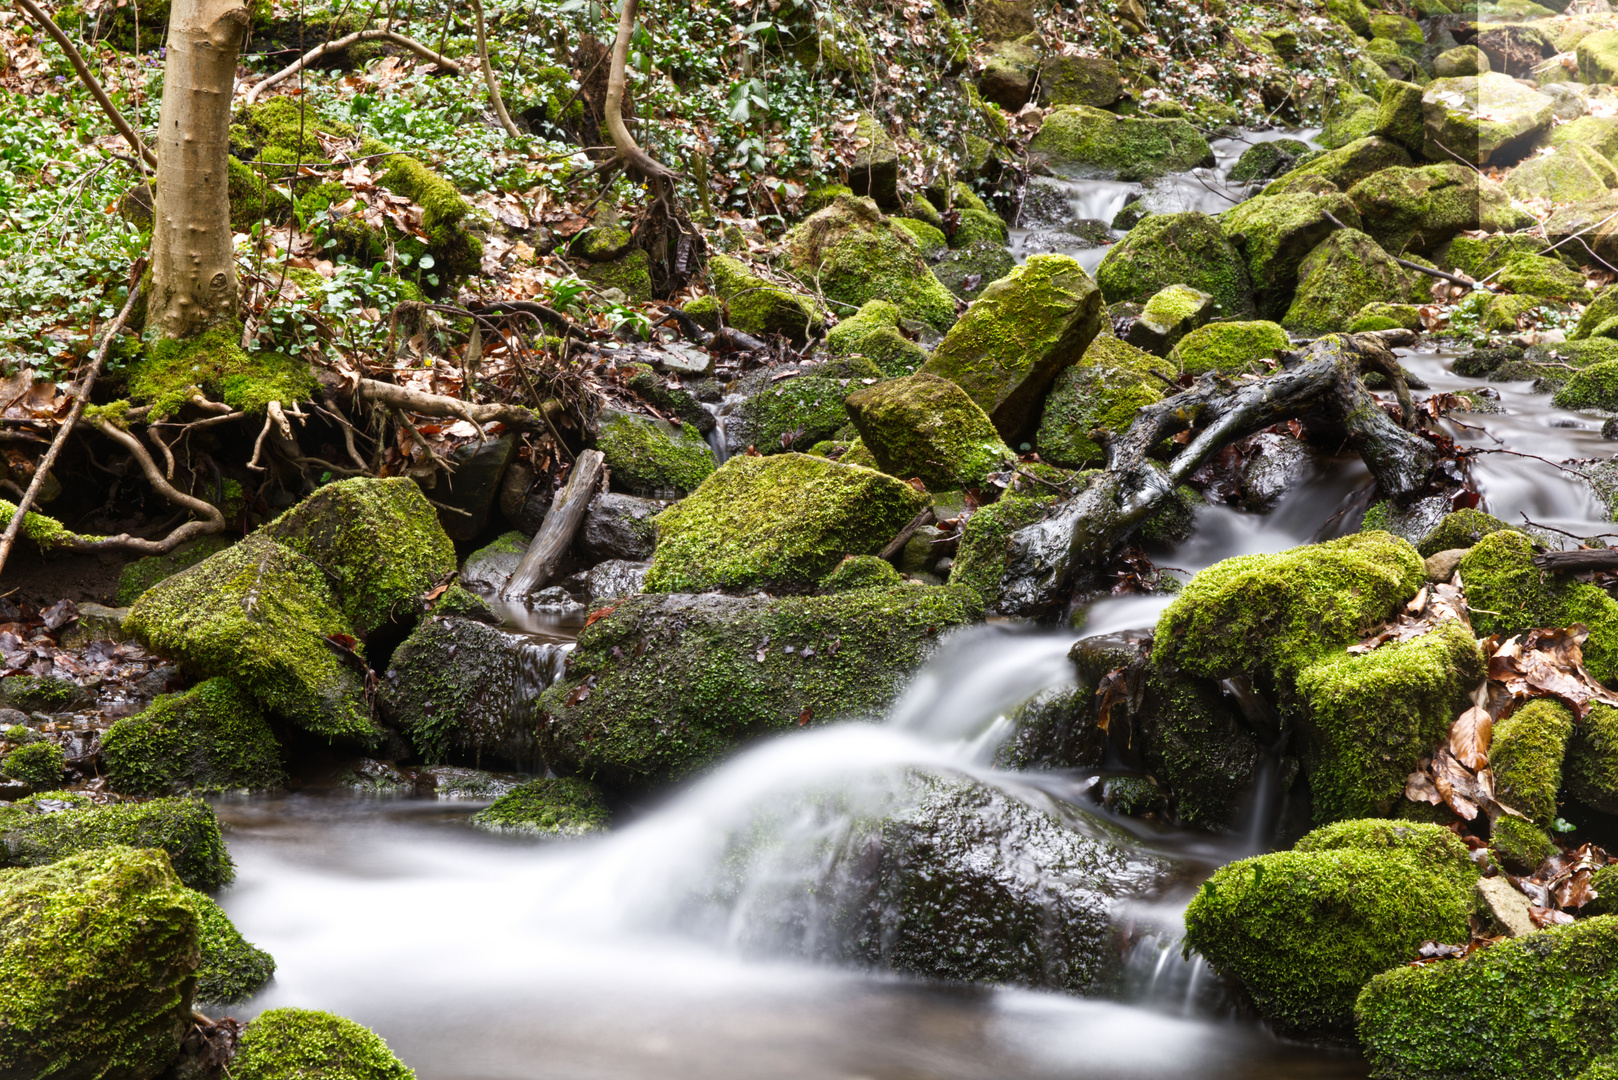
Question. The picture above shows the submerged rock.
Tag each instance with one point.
(187, 829)
(281, 1044)
(546, 807)
(210, 739)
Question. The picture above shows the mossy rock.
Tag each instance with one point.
(760, 307)
(653, 457)
(41, 693)
(1276, 233)
(748, 667)
(1082, 142)
(209, 739)
(779, 523)
(1562, 177)
(550, 807)
(98, 956)
(1010, 345)
(1399, 116)
(1230, 347)
(1105, 390)
(968, 270)
(1265, 160)
(1380, 315)
(1337, 279)
(1510, 118)
(186, 829)
(302, 1044)
(1176, 249)
(926, 427)
(929, 238)
(141, 574)
(1597, 133)
(861, 572)
(630, 275)
(780, 413)
(983, 560)
(1591, 766)
(258, 613)
(1600, 318)
(1304, 930)
(852, 254)
(601, 243)
(1353, 117)
(1341, 168)
(379, 543)
(1594, 387)
(254, 198)
(1597, 55)
(1520, 846)
(1270, 616)
(874, 333)
(1548, 279)
(40, 765)
(1419, 209)
(1461, 60)
(1460, 529)
(1537, 1005)
(172, 371)
(232, 968)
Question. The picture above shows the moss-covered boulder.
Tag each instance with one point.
(793, 408)
(1461, 60)
(653, 457)
(551, 806)
(41, 765)
(187, 829)
(1107, 387)
(1079, 80)
(1347, 271)
(1600, 318)
(1011, 344)
(1546, 278)
(747, 667)
(1597, 133)
(1562, 177)
(1591, 766)
(1538, 1005)
(1460, 529)
(1276, 233)
(1231, 347)
(209, 739)
(1379, 315)
(302, 1044)
(377, 542)
(1304, 930)
(984, 561)
(1399, 117)
(1419, 209)
(1341, 168)
(1265, 160)
(873, 333)
(141, 574)
(1481, 117)
(758, 306)
(1597, 55)
(1167, 317)
(873, 171)
(1526, 755)
(1351, 118)
(1082, 142)
(259, 614)
(927, 427)
(98, 955)
(852, 254)
(861, 572)
(779, 523)
(1594, 387)
(232, 968)
(1176, 249)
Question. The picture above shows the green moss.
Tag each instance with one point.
(173, 370)
(874, 334)
(1598, 318)
(929, 238)
(1526, 755)
(601, 243)
(1399, 115)
(301, 1044)
(1341, 168)
(1346, 272)
(1460, 529)
(1370, 719)
(1536, 275)
(980, 560)
(780, 522)
(1269, 616)
(232, 969)
(40, 765)
(1418, 209)
(378, 542)
(547, 807)
(1520, 845)
(1384, 316)
(1353, 117)
(1080, 141)
(258, 613)
(47, 532)
(1538, 1005)
(1266, 159)
(821, 197)
(1480, 256)
(97, 955)
(40, 693)
(850, 253)
(1562, 177)
(757, 306)
(1104, 392)
(861, 572)
(1595, 387)
(1231, 347)
(1275, 233)
(652, 457)
(253, 199)
(185, 828)
(794, 413)
(1304, 930)
(1591, 767)
(211, 738)
(443, 213)
(675, 401)
(631, 275)
(141, 574)
(1176, 249)
(746, 667)
(926, 427)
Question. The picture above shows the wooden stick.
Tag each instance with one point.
(488, 75)
(1571, 562)
(42, 470)
(425, 404)
(342, 43)
(555, 536)
(1465, 283)
(897, 544)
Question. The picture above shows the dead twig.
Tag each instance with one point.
(342, 43)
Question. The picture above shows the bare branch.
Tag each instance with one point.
(342, 43)
(489, 77)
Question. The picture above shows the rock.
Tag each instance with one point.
(550, 807)
(1441, 564)
(524, 498)
(1347, 271)
(861, 572)
(1352, 118)
(1562, 177)
(622, 281)
(1275, 233)
(1420, 209)
(475, 487)
(1341, 168)
(1399, 117)
(1265, 160)
(853, 254)
(615, 577)
(210, 739)
(748, 667)
(759, 307)
(460, 688)
(1598, 57)
(1526, 755)
(1177, 249)
(1504, 906)
(141, 574)
(1535, 275)
(1231, 347)
(42, 693)
(1591, 767)
(1600, 318)
(40, 765)
(97, 959)
(653, 457)
(1598, 133)
(1379, 315)
(259, 614)
(453, 783)
(1461, 60)
(1482, 117)
(779, 523)
(1104, 390)
(1009, 72)
(874, 333)
(284, 1043)
(1081, 142)
(1531, 1006)
(1303, 930)
(1460, 530)
(1011, 344)
(986, 561)
(96, 622)
(1079, 80)
(970, 268)
(873, 171)
(1003, 20)
(1588, 221)
(618, 527)
(370, 778)
(1169, 316)
(1595, 387)
(928, 427)
(788, 408)
(489, 567)
(184, 828)
(1570, 104)
(232, 969)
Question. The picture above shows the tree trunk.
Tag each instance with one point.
(193, 260)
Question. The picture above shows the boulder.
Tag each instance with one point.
(873, 172)
(525, 498)
(489, 567)
(1548, 279)
(653, 457)
(747, 667)
(779, 523)
(1342, 168)
(1461, 60)
(548, 807)
(141, 574)
(1003, 20)
(1011, 344)
(1399, 116)
(1594, 387)
(786, 408)
(32, 834)
(40, 765)
(1598, 57)
(1353, 117)
(615, 577)
(1598, 133)
(1479, 257)
(853, 254)
(1600, 318)
(1080, 80)
(1347, 271)
(928, 428)
(1009, 72)
(874, 333)
(1231, 347)
(1588, 222)
(1563, 177)
(98, 956)
(95, 622)
(1177, 249)
(1526, 754)
(760, 307)
(1104, 390)
(232, 968)
(618, 527)
(1081, 142)
(1482, 118)
(1591, 766)
(1419, 209)
(1304, 930)
(280, 1044)
(1266, 160)
(475, 487)
(1275, 233)
(1169, 316)
(207, 740)
(861, 572)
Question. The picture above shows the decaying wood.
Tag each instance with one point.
(370, 391)
(555, 536)
(338, 45)
(1572, 562)
(91, 83)
(897, 544)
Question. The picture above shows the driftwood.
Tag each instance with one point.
(1572, 562)
(897, 544)
(555, 536)
(1322, 389)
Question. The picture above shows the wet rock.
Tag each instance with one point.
(861, 572)
(1482, 117)
(794, 407)
(1081, 142)
(141, 574)
(475, 488)
(1591, 767)
(670, 398)
(305, 1043)
(853, 254)
(383, 779)
(1103, 391)
(1276, 233)
(1265, 160)
(1347, 271)
(1421, 209)
(615, 577)
(618, 527)
(1169, 316)
(1177, 249)
(550, 807)
(1276, 465)
(927, 427)
(210, 739)
(96, 622)
(489, 567)
(524, 498)
(1011, 344)
(1441, 564)
(232, 969)
(1055, 729)
(1595, 387)
(97, 959)
(38, 830)
(452, 783)
(653, 457)
(747, 667)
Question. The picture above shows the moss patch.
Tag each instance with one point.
(1232, 347)
(173, 370)
(1177, 249)
(232, 969)
(547, 807)
(302, 1044)
(850, 253)
(1104, 392)
(861, 572)
(141, 574)
(927, 427)
(1460, 529)
(185, 828)
(40, 765)
(1081, 141)
(874, 334)
(210, 739)
(757, 306)
(982, 557)
(653, 457)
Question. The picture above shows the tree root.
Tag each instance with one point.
(342, 43)
(363, 391)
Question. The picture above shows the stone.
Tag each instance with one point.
(474, 489)
(1561, 177)
(1003, 20)
(549, 807)
(1347, 271)
(1535, 275)
(1275, 233)
(874, 332)
(1230, 347)
(1441, 564)
(1420, 209)
(280, 1044)
(44, 829)
(618, 527)
(96, 622)
(1342, 168)
(757, 306)
(524, 498)
(1105, 390)
(615, 577)
(1266, 160)
(1009, 72)
(1081, 142)
(1353, 117)
(141, 574)
(1177, 249)
(1169, 316)
(1399, 116)
(1461, 60)
(489, 567)
(1597, 55)
(852, 254)
(1080, 80)
(210, 739)
(1482, 117)
(1598, 133)
(873, 172)
(926, 427)
(791, 408)
(652, 457)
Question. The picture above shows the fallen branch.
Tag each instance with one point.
(370, 391)
(488, 74)
(897, 544)
(342, 43)
(1572, 562)
(555, 536)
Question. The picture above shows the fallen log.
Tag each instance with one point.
(1572, 562)
(555, 536)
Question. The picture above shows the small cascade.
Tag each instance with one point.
(1160, 976)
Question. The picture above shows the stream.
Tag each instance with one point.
(638, 955)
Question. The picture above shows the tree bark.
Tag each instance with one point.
(629, 152)
(193, 259)
(555, 536)
(1573, 562)
(489, 78)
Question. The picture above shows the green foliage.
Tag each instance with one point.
(546, 807)
(209, 739)
(302, 1044)
(185, 828)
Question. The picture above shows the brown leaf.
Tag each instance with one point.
(1419, 787)
(805, 716)
(1544, 917)
(598, 614)
(1114, 688)
(1470, 734)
